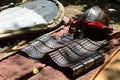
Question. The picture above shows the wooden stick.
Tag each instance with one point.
(108, 61)
(5, 55)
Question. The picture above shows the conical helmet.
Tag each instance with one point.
(95, 14)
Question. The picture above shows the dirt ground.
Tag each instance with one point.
(78, 7)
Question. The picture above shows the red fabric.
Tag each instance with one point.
(94, 26)
(77, 22)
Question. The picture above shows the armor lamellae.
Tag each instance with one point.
(79, 55)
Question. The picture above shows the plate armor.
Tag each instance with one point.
(79, 55)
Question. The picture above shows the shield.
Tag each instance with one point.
(27, 17)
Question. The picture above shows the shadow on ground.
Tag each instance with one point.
(111, 8)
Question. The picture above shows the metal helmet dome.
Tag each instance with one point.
(95, 14)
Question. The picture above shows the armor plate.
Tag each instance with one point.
(95, 14)
(77, 54)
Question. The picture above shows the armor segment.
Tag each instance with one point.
(79, 55)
